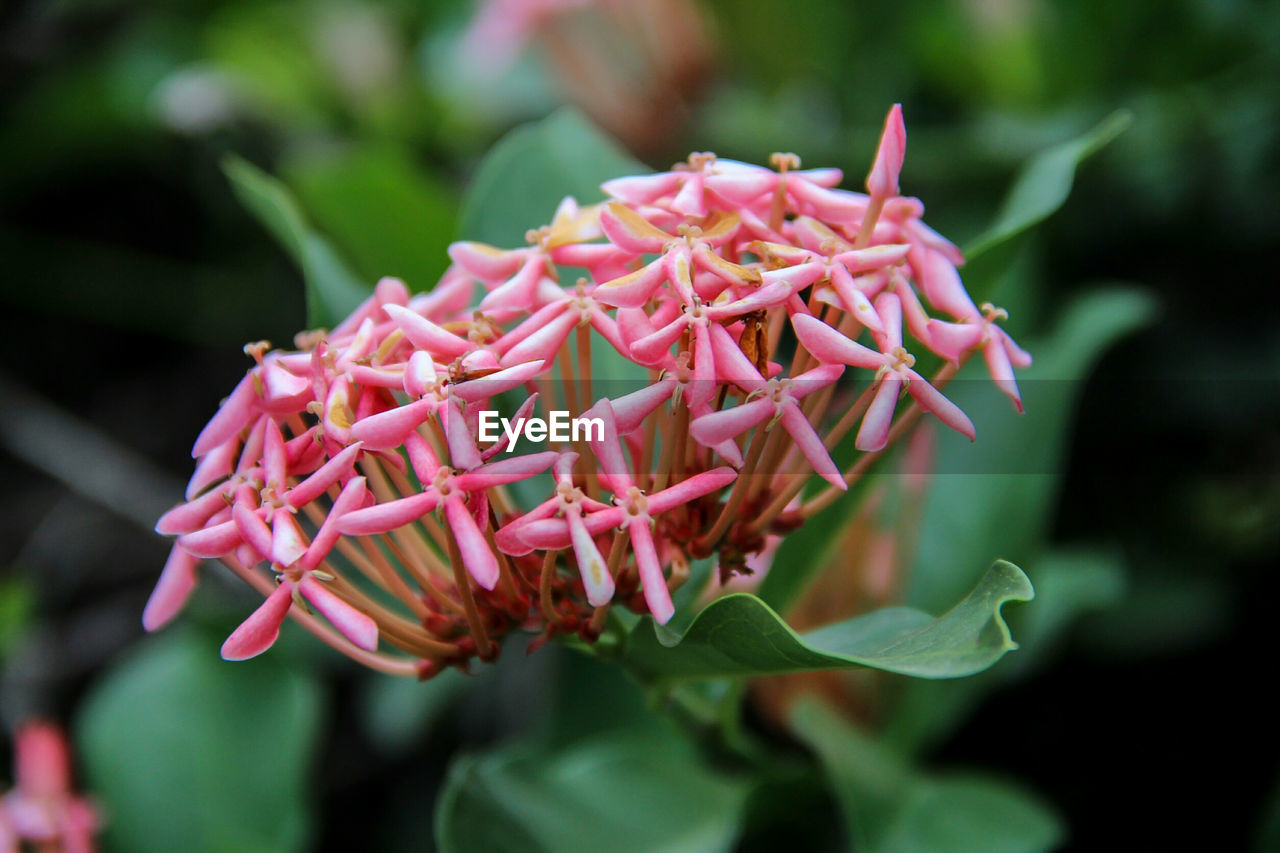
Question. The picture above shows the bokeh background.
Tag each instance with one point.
(131, 278)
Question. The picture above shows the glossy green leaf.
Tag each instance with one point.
(527, 173)
(620, 791)
(1069, 585)
(188, 752)
(1044, 183)
(740, 635)
(889, 806)
(389, 216)
(332, 289)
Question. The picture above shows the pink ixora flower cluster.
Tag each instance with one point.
(348, 482)
(42, 810)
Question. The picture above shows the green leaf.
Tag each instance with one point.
(739, 635)
(621, 790)
(188, 752)
(333, 291)
(527, 173)
(1044, 183)
(1069, 584)
(391, 217)
(889, 806)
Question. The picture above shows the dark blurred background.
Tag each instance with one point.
(131, 278)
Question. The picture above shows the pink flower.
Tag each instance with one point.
(633, 511)
(42, 808)
(893, 366)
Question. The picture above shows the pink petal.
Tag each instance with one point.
(941, 284)
(631, 410)
(353, 624)
(642, 189)
(855, 301)
(689, 201)
(273, 455)
(545, 342)
(952, 340)
(212, 467)
(596, 579)
(654, 585)
(477, 556)
(377, 377)
(931, 400)
(882, 181)
(1017, 355)
(629, 230)
(172, 590)
(42, 763)
(704, 385)
(651, 348)
(815, 380)
(889, 307)
(633, 289)
(836, 206)
(917, 319)
(874, 433)
(518, 291)
(463, 453)
(873, 257)
(508, 537)
(803, 434)
(234, 415)
(287, 542)
(191, 516)
(421, 457)
(691, 489)
(324, 477)
(259, 632)
(485, 262)
(723, 425)
(506, 471)
(253, 529)
(350, 499)
(609, 450)
(828, 345)
(732, 365)
(389, 429)
(552, 534)
(216, 541)
(740, 187)
(388, 515)
(420, 373)
(427, 335)
(1001, 370)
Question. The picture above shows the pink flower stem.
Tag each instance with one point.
(707, 542)
(587, 460)
(545, 599)
(377, 561)
(646, 446)
(868, 225)
(851, 416)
